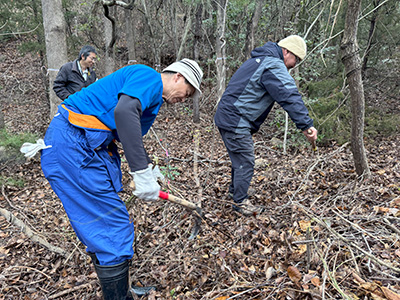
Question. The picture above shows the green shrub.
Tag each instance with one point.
(15, 141)
(324, 88)
(11, 143)
(332, 117)
(9, 181)
(379, 123)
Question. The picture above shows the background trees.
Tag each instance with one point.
(353, 225)
(221, 34)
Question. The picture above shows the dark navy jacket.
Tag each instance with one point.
(69, 80)
(254, 88)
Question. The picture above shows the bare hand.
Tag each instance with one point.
(311, 134)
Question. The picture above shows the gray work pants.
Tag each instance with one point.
(240, 148)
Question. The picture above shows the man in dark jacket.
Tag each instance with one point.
(249, 97)
(77, 74)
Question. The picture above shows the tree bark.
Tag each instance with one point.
(371, 32)
(109, 39)
(352, 63)
(130, 35)
(56, 44)
(185, 33)
(197, 32)
(155, 41)
(221, 47)
(251, 28)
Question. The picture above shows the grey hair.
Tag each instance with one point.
(85, 51)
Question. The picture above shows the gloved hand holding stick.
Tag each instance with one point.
(149, 191)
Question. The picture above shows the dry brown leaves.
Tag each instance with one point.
(323, 235)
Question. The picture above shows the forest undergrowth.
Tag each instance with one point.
(324, 233)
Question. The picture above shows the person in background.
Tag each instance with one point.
(77, 74)
(249, 97)
(81, 162)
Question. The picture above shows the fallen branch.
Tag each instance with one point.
(29, 268)
(29, 233)
(345, 240)
(75, 288)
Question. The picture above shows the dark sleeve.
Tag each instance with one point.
(282, 88)
(127, 115)
(60, 83)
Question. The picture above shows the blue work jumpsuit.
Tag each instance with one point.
(83, 166)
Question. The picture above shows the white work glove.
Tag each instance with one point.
(157, 173)
(30, 149)
(146, 186)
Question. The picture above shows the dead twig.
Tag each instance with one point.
(29, 233)
(29, 268)
(75, 288)
(345, 240)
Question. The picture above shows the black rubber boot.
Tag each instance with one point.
(114, 280)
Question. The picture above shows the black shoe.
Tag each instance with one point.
(246, 208)
(142, 290)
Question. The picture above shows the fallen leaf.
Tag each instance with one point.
(389, 294)
(294, 274)
(302, 249)
(315, 281)
(395, 202)
(381, 210)
(304, 225)
(397, 252)
(269, 273)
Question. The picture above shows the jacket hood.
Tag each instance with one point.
(269, 49)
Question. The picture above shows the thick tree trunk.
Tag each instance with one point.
(352, 63)
(56, 44)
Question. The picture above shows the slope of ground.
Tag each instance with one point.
(323, 233)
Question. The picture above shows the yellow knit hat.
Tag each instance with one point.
(294, 44)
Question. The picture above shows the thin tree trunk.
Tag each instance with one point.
(197, 32)
(372, 27)
(109, 39)
(56, 44)
(251, 28)
(130, 35)
(196, 44)
(221, 47)
(352, 63)
(174, 29)
(185, 33)
(156, 42)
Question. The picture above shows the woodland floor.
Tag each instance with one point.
(323, 234)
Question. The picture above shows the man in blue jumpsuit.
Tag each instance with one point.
(83, 166)
(249, 97)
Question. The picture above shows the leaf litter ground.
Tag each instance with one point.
(324, 234)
